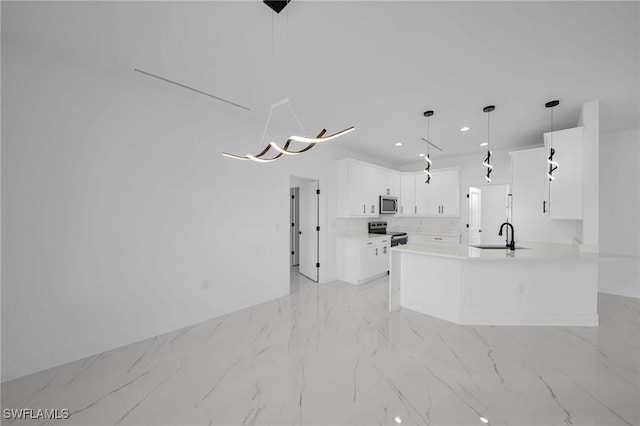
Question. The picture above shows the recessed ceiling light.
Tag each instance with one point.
(398, 419)
(464, 129)
(484, 420)
(398, 143)
(484, 144)
(420, 155)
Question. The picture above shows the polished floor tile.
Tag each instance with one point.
(332, 354)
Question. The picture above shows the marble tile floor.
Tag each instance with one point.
(332, 354)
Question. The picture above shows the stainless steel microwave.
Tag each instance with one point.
(388, 205)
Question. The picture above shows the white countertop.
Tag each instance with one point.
(445, 232)
(363, 236)
(529, 251)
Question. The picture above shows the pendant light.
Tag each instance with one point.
(553, 165)
(487, 161)
(427, 158)
(277, 7)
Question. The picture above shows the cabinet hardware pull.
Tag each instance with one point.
(364, 208)
(376, 251)
(544, 206)
(415, 209)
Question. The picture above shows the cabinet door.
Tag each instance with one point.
(407, 194)
(565, 191)
(361, 200)
(529, 189)
(428, 195)
(450, 205)
(394, 184)
(382, 261)
(368, 262)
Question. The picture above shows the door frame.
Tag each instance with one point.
(294, 216)
(322, 234)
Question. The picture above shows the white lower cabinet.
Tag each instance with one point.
(362, 260)
(434, 238)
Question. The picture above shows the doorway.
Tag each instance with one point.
(489, 207)
(305, 227)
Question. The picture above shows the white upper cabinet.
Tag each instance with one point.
(440, 197)
(362, 199)
(450, 201)
(565, 190)
(359, 186)
(387, 182)
(428, 195)
(407, 194)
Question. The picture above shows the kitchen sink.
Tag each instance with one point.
(498, 247)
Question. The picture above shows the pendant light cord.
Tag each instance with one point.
(489, 131)
(287, 73)
(551, 135)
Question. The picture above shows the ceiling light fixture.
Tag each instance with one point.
(553, 165)
(427, 170)
(277, 7)
(484, 420)
(398, 143)
(421, 155)
(465, 129)
(484, 144)
(487, 161)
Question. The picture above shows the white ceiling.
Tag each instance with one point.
(374, 65)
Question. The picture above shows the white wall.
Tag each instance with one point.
(590, 119)
(620, 212)
(121, 220)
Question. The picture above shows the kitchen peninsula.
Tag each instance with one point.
(538, 284)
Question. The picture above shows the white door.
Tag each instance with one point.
(565, 191)
(308, 220)
(474, 216)
(530, 187)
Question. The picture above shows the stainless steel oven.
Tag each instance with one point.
(380, 228)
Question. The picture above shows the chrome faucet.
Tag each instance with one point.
(510, 244)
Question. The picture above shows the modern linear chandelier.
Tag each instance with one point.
(285, 149)
(553, 165)
(427, 158)
(487, 161)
